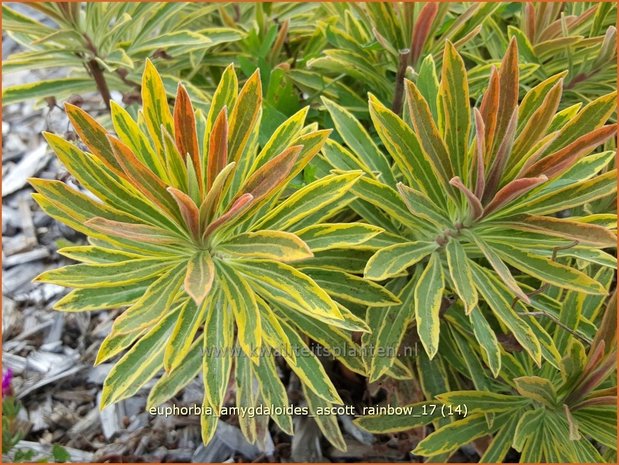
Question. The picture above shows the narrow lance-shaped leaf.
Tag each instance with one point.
(132, 369)
(489, 110)
(549, 271)
(416, 165)
(144, 179)
(479, 160)
(513, 190)
(390, 261)
(153, 303)
(94, 136)
(189, 210)
(426, 130)
(455, 111)
(136, 232)
(244, 116)
(538, 123)
(288, 286)
(271, 175)
(475, 208)
(239, 206)
(421, 30)
(508, 95)
(185, 129)
(241, 298)
(155, 105)
(501, 157)
(460, 274)
(554, 164)
(585, 234)
(189, 321)
(273, 245)
(427, 302)
(497, 264)
(217, 191)
(217, 352)
(217, 148)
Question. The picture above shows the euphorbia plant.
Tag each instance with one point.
(469, 203)
(191, 232)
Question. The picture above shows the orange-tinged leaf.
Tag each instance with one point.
(513, 190)
(94, 136)
(135, 232)
(489, 108)
(538, 122)
(210, 204)
(508, 93)
(554, 164)
(586, 234)
(244, 116)
(143, 178)
(185, 128)
(155, 104)
(421, 30)
(475, 207)
(199, 276)
(427, 132)
(239, 206)
(479, 161)
(501, 158)
(272, 174)
(189, 210)
(217, 148)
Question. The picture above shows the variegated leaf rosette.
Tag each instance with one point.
(469, 202)
(193, 229)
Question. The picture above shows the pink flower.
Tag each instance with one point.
(7, 376)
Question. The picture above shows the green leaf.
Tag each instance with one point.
(189, 322)
(392, 260)
(311, 198)
(153, 304)
(139, 364)
(241, 298)
(357, 138)
(498, 299)
(327, 423)
(454, 109)
(418, 168)
(388, 329)
(105, 275)
(59, 88)
(537, 388)
(86, 300)
(309, 369)
(351, 288)
(460, 273)
(454, 435)
(427, 303)
(327, 236)
(289, 287)
(199, 276)
(548, 271)
(416, 415)
(487, 340)
(271, 245)
(273, 392)
(217, 351)
(484, 401)
(172, 382)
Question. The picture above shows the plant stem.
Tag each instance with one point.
(399, 83)
(97, 74)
